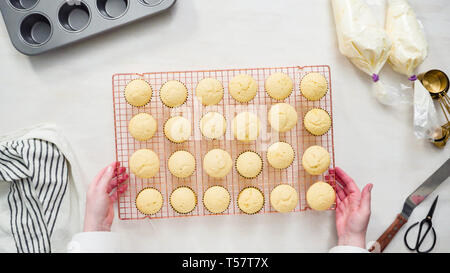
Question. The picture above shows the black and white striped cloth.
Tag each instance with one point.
(38, 176)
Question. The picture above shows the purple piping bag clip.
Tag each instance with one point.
(412, 78)
(375, 77)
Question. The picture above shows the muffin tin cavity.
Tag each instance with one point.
(151, 3)
(35, 29)
(23, 4)
(112, 9)
(74, 16)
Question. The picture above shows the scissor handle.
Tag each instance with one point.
(420, 238)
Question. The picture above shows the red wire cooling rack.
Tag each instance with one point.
(198, 145)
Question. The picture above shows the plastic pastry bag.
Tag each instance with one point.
(363, 39)
(426, 122)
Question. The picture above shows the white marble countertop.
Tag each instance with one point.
(71, 87)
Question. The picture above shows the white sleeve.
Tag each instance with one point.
(96, 241)
(348, 249)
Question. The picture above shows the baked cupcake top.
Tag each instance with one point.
(317, 121)
(183, 200)
(144, 163)
(142, 126)
(173, 93)
(249, 164)
(282, 117)
(246, 126)
(209, 91)
(280, 155)
(243, 88)
(216, 199)
(217, 163)
(284, 198)
(149, 201)
(250, 200)
(316, 160)
(320, 196)
(177, 129)
(181, 164)
(279, 86)
(213, 125)
(313, 86)
(138, 92)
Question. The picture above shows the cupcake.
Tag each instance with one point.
(243, 88)
(217, 163)
(209, 91)
(317, 121)
(250, 200)
(142, 126)
(183, 200)
(213, 125)
(284, 198)
(216, 199)
(177, 129)
(279, 86)
(313, 86)
(320, 196)
(138, 92)
(316, 160)
(280, 155)
(249, 164)
(282, 117)
(246, 126)
(173, 93)
(144, 163)
(149, 201)
(181, 164)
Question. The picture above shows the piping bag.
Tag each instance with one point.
(409, 49)
(363, 39)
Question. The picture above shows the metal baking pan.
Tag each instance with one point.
(37, 26)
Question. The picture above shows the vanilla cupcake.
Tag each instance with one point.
(217, 163)
(320, 196)
(243, 88)
(249, 164)
(279, 86)
(284, 198)
(181, 164)
(280, 155)
(282, 117)
(250, 200)
(213, 125)
(149, 201)
(144, 163)
(316, 160)
(142, 126)
(246, 126)
(177, 129)
(313, 86)
(138, 92)
(183, 200)
(317, 121)
(216, 199)
(173, 93)
(209, 91)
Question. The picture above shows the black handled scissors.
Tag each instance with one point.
(420, 239)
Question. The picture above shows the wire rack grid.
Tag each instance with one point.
(198, 145)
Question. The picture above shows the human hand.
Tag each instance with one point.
(102, 193)
(352, 210)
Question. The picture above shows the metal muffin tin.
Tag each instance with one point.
(37, 26)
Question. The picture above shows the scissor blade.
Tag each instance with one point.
(427, 187)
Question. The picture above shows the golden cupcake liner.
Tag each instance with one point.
(195, 91)
(307, 128)
(162, 196)
(262, 164)
(264, 200)
(298, 201)
(187, 95)
(195, 165)
(293, 159)
(290, 93)
(153, 91)
(200, 126)
(245, 102)
(300, 86)
(203, 199)
(164, 132)
(142, 140)
(196, 200)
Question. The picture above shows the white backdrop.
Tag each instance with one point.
(71, 87)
